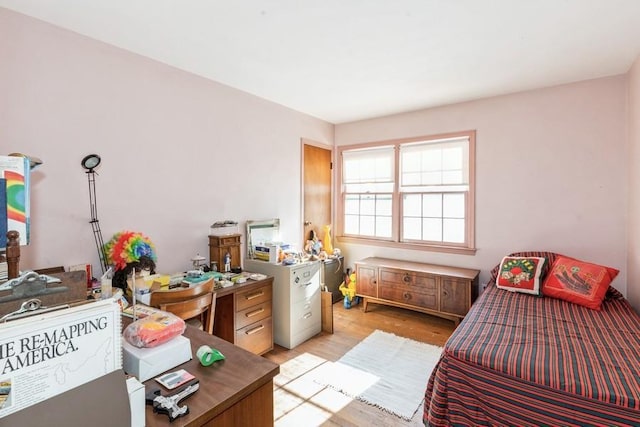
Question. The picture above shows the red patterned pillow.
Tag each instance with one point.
(578, 282)
(521, 274)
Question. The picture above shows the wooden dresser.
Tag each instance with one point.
(220, 245)
(244, 315)
(433, 289)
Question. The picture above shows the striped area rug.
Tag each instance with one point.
(383, 370)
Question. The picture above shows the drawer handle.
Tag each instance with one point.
(255, 312)
(406, 296)
(306, 316)
(406, 278)
(254, 296)
(254, 330)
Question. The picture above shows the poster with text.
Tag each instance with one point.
(44, 355)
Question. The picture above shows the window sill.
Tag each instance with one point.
(410, 246)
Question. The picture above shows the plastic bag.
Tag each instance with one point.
(154, 330)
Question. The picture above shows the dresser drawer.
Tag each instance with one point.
(251, 297)
(404, 279)
(256, 337)
(253, 314)
(410, 296)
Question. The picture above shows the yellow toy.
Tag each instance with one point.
(349, 292)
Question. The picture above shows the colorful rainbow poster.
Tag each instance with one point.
(15, 171)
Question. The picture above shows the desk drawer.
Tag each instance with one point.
(256, 337)
(253, 314)
(249, 298)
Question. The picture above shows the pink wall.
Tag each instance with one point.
(550, 175)
(633, 234)
(178, 151)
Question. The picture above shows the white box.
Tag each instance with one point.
(136, 401)
(145, 363)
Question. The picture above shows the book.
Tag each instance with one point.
(142, 310)
(3, 213)
(15, 170)
(44, 355)
(175, 379)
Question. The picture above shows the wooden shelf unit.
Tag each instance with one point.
(439, 290)
(220, 245)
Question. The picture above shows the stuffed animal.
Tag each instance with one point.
(349, 292)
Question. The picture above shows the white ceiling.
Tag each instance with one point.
(345, 60)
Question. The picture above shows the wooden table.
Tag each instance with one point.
(237, 391)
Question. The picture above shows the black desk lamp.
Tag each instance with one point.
(89, 163)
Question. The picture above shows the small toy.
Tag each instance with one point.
(349, 292)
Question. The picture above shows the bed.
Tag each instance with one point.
(523, 360)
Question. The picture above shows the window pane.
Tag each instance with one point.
(383, 226)
(452, 158)
(454, 230)
(384, 205)
(369, 165)
(411, 163)
(452, 177)
(411, 229)
(432, 205)
(368, 205)
(352, 205)
(411, 178)
(432, 229)
(367, 225)
(431, 160)
(351, 224)
(412, 205)
(432, 178)
(453, 205)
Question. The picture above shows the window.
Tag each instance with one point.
(414, 193)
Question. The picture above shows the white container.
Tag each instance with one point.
(274, 250)
(146, 363)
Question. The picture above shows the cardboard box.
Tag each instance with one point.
(146, 363)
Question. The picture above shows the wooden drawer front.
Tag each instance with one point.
(408, 280)
(410, 296)
(224, 241)
(251, 297)
(253, 314)
(455, 296)
(366, 281)
(256, 337)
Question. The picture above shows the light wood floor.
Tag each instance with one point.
(299, 401)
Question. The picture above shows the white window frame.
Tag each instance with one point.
(395, 240)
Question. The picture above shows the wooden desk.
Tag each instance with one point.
(243, 315)
(237, 391)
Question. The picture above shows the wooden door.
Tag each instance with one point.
(316, 189)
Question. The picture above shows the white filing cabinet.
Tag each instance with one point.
(296, 300)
